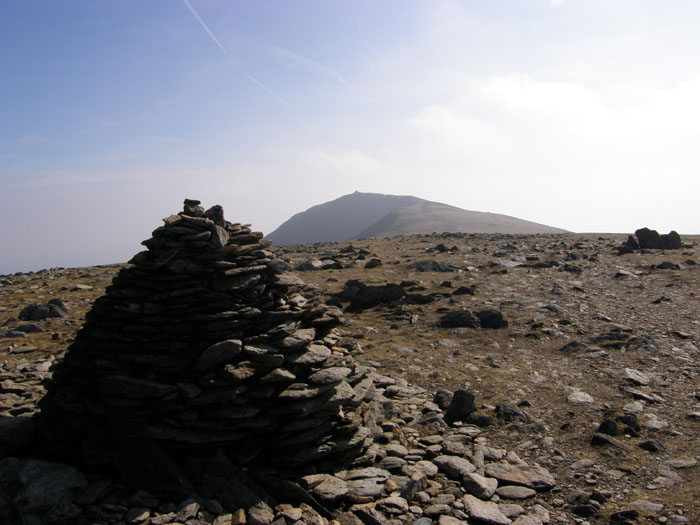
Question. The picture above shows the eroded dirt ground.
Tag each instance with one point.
(591, 336)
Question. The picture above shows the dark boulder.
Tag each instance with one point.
(440, 248)
(38, 312)
(465, 290)
(631, 422)
(668, 265)
(651, 240)
(459, 319)
(629, 246)
(609, 427)
(491, 319)
(373, 263)
(417, 298)
(363, 296)
(671, 241)
(462, 405)
(648, 239)
(442, 398)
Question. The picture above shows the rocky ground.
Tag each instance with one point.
(583, 363)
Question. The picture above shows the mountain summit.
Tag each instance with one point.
(362, 215)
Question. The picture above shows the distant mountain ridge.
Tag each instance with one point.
(362, 215)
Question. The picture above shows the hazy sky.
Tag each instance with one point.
(581, 114)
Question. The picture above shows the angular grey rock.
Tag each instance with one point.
(437, 509)
(479, 486)
(260, 514)
(635, 376)
(417, 483)
(484, 512)
(327, 488)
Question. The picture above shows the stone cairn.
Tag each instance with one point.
(204, 345)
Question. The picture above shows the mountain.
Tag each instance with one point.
(429, 217)
(362, 215)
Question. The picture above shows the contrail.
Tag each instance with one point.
(220, 46)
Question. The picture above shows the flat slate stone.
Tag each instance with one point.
(534, 477)
(454, 466)
(218, 354)
(427, 468)
(326, 487)
(333, 374)
(515, 492)
(635, 376)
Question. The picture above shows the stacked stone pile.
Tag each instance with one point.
(203, 343)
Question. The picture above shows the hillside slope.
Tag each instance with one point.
(429, 217)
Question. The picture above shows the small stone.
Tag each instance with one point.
(393, 505)
(396, 449)
(646, 506)
(446, 520)
(260, 514)
(652, 445)
(238, 517)
(437, 509)
(427, 468)
(624, 516)
(515, 492)
(527, 520)
(511, 510)
(601, 440)
(188, 509)
(579, 397)
(137, 515)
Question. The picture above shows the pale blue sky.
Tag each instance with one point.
(581, 114)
